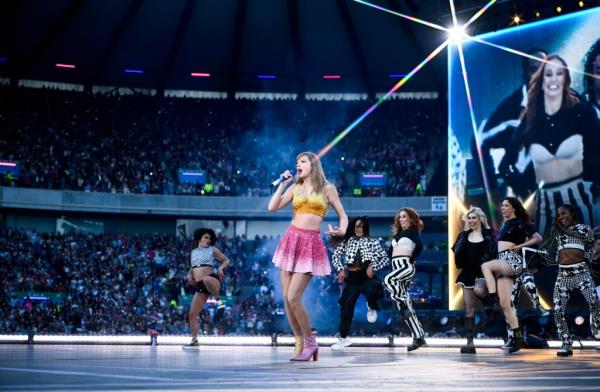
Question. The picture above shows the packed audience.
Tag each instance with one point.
(139, 144)
(82, 283)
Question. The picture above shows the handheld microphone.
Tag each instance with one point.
(280, 180)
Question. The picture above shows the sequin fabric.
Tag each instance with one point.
(302, 250)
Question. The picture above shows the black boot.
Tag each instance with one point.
(565, 350)
(469, 348)
(416, 343)
(517, 342)
(509, 337)
(491, 301)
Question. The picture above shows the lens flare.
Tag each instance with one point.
(479, 13)
(529, 56)
(411, 18)
(400, 83)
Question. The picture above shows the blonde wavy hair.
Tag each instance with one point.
(479, 212)
(317, 175)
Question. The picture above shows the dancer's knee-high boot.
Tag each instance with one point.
(469, 348)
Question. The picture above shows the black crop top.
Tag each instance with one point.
(516, 231)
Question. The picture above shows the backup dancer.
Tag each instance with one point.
(474, 246)
(202, 275)
(571, 246)
(516, 232)
(406, 247)
(356, 259)
(301, 253)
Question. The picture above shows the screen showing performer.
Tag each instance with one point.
(530, 127)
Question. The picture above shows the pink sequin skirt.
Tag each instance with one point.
(302, 250)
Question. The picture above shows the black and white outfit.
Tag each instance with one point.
(469, 256)
(204, 257)
(403, 270)
(358, 252)
(527, 282)
(560, 136)
(574, 276)
(517, 231)
(495, 133)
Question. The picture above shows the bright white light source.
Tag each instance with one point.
(456, 33)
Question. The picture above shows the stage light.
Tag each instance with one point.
(332, 76)
(200, 74)
(516, 19)
(537, 14)
(61, 65)
(579, 320)
(456, 33)
(135, 71)
(266, 76)
(559, 9)
(581, 4)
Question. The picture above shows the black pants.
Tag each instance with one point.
(357, 283)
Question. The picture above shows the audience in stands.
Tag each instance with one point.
(137, 144)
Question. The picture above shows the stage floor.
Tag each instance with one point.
(145, 368)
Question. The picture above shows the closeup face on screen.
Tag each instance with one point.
(537, 124)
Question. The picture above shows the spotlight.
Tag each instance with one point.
(581, 4)
(516, 20)
(579, 320)
(456, 33)
(537, 14)
(559, 9)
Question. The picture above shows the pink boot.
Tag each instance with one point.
(311, 349)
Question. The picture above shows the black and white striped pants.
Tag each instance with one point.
(396, 282)
(570, 277)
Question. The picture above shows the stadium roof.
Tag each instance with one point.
(245, 45)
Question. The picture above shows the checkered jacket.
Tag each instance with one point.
(370, 250)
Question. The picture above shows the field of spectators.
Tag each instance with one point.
(137, 144)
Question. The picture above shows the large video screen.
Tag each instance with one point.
(540, 141)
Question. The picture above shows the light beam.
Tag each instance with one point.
(400, 83)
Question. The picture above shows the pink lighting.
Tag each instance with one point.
(71, 66)
(9, 164)
(200, 74)
(332, 76)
